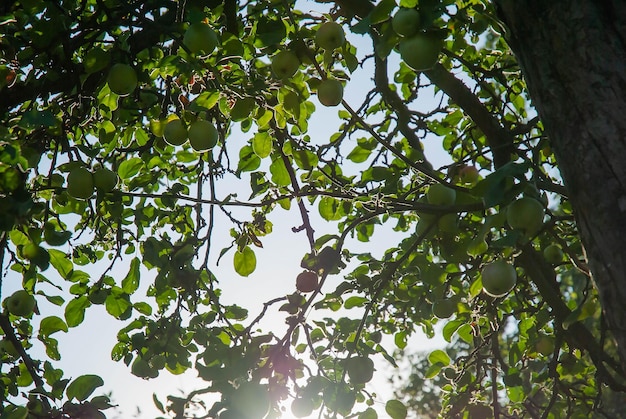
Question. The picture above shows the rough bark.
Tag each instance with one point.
(573, 56)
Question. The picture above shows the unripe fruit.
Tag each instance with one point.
(420, 51)
(442, 309)
(525, 214)
(330, 92)
(175, 132)
(498, 278)
(199, 37)
(302, 407)
(285, 64)
(105, 180)
(360, 369)
(439, 194)
(306, 281)
(80, 184)
(406, 22)
(330, 36)
(468, 174)
(202, 135)
(553, 253)
(122, 79)
(20, 303)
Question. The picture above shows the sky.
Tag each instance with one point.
(86, 349)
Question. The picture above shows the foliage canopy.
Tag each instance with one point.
(119, 85)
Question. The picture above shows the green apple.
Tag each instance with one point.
(330, 35)
(252, 400)
(302, 407)
(406, 22)
(306, 281)
(525, 214)
(20, 303)
(199, 37)
(448, 223)
(122, 79)
(203, 135)
(80, 183)
(105, 180)
(439, 194)
(175, 132)
(285, 64)
(330, 92)
(442, 309)
(420, 51)
(30, 251)
(360, 369)
(553, 254)
(468, 174)
(498, 278)
(545, 345)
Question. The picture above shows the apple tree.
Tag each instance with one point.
(124, 125)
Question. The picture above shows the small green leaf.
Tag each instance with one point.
(355, 301)
(280, 175)
(129, 168)
(439, 357)
(400, 340)
(396, 409)
(50, 325)
(382, 11)
(359, 154)
(83, 386)
(262, 144)
(131, 282)
(245, 261)
(61, 263)
(75, 311)
(369, 413)
(15, 412)
(116, 305)
(143, 308)
(330, 209)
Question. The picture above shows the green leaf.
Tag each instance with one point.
(400, 340)
(83, 386)
(143, 308)
(131, 282)
(15, 412)
(359, 154)
(382, 11)
(330, 208)
(61, 263)
(396, 409)
(207, 100)
(50, 325)
(280, 175)
(75, 311)
(262, 144)
(439, 357)
(450, 328)
(129, 168)
(117, 305)
(355, 301)
(248, 160)
(369, 413)
(244, 261)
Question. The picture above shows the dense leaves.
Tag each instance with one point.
(87, 85)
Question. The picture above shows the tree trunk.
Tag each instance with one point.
(573, 56)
